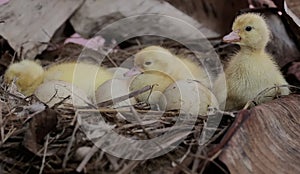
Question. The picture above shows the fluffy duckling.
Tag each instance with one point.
(160, 81)
(156, 58)
(29, 75)
(85, 76)
(252, 69)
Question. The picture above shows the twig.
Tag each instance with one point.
(66, 158)
(124, 97)
(197, 160)
(87, 158)
(44, 155)
(12, 95)
(129, 167)
(112, 61)
(114, 111)
(266, 90)
(1, 123)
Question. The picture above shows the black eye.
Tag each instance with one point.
(248, 28)
(148, 63)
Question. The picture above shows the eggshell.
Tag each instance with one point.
(112, 89)
(189, 96)
(54, 91)
(160, 81)
(118, 72)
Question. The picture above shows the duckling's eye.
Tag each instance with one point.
(248, 28)
(148, 63)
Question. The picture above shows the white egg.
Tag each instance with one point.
(55, 91)
(188, 96)
(112, 89)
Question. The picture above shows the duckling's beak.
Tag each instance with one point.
(133, 71)
(232, 37)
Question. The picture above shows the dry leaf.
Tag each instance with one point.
(268, 141)
(94, 15)
(33, 23)
(39, 126)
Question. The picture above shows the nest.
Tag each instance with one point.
(35, 138)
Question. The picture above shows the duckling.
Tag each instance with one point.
(29, 75)
(159, 80)
(85, 76)
(252, 69)
(160, 59)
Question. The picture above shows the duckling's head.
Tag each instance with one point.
(249, 30)
(28, 75)
(152, 58)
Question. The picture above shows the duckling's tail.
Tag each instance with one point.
(27, 75)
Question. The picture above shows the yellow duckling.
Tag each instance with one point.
(85, 76)
(156, 58)
(160, 81)
(29, 75)
(251, 70)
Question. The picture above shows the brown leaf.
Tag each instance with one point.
(38, 127)
(268, 141)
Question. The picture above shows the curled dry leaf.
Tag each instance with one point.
(33, 23)
(38, 127)
(268, 141)
(95, 15)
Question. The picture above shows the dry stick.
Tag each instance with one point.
(44, 155)
(1, 123)
(129, 167)
(263, 92)
(113, 110)
(87, 158)
(112, 61)
(185, 155)
(66, 158)
(197, 160)
(199, 150)
(125, 97)
(12, 95)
